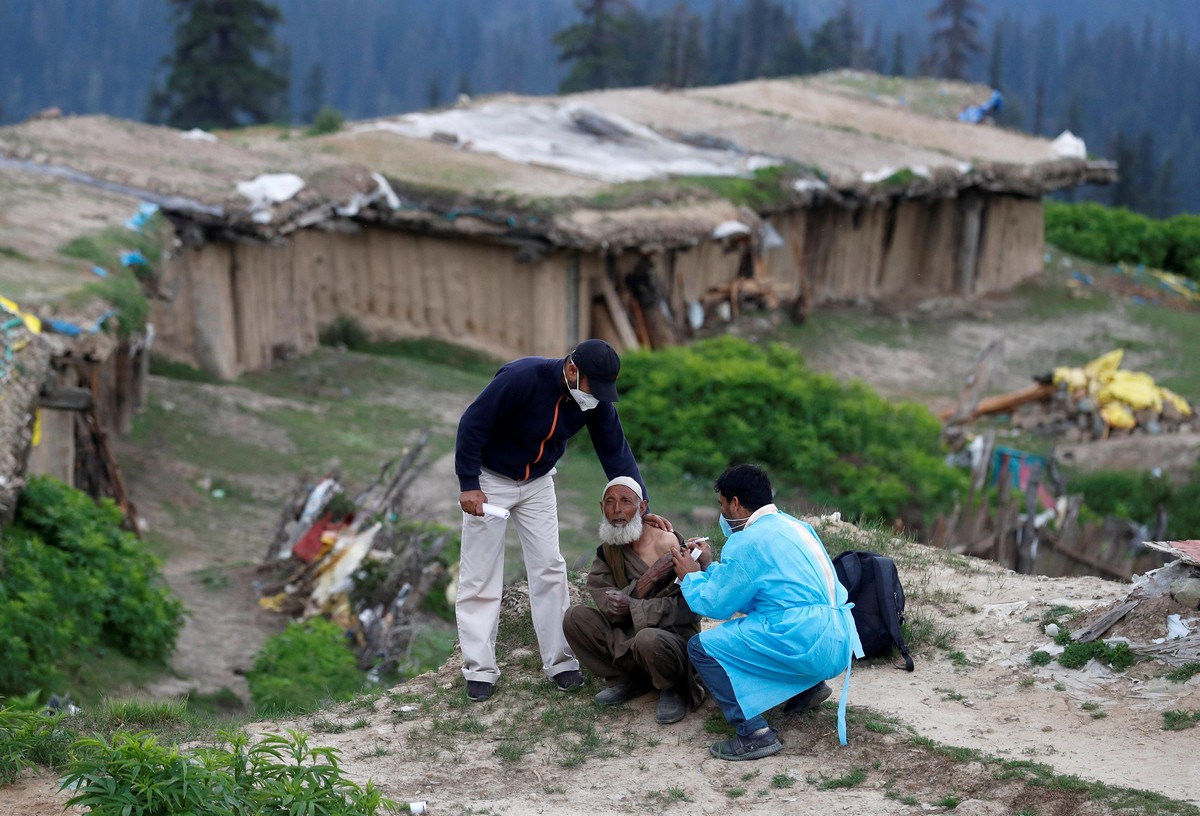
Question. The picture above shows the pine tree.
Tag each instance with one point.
(591, 45)
(837, 43)
(899, 63)
(955, 40)
(314, 92)
(220, 75)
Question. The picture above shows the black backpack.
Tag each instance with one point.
(874, 587)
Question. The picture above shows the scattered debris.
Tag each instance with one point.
(1159, 618)
(357, 561)
(1095, 401)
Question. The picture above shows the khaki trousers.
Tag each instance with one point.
(534, 511)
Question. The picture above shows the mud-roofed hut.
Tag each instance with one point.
(520, 225)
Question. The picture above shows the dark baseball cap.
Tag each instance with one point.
(600, 364)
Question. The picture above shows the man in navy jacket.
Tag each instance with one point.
(509, 440)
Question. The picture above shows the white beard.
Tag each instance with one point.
(620, 535)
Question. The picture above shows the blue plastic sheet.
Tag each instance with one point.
(145, 212)
(977, 113)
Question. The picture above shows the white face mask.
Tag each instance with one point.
(583, 399)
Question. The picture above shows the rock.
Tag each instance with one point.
(704, 516)
(1186, 592)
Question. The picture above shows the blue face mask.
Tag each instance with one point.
(727, 528)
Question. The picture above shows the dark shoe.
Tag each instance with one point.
(807, 700)
(755, 746)
(478, 691)
(569, 680)
(671, 707)
(622, 692)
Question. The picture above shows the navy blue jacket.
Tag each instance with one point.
(519, 425)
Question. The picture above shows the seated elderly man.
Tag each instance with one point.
(636, 638)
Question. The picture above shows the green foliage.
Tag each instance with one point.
(303, 667)
(162, 367)
(133, 775)
(125, 293)
(73, 581)
(218, 77)
(29, 737)
(345, 331)
(764, 190)
(123, 286)
(1138, 496)
(723, 401)
(1076, 655)
(1184, 673)
(1116, 235)
(1180, 720)
(853, 779)
(327, 120)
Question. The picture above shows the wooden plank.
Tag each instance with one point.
(1006, 402)
(1105, 622)
(616, 312)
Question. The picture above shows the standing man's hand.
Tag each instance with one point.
(471, 501)
(658, 521)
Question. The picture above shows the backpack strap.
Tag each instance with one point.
(887, 604)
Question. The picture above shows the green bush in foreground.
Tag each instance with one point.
(75, 581)
(723, 401)
(29, 738)
(303, 667)
(133, 775)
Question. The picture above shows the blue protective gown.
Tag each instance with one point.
(797, 628)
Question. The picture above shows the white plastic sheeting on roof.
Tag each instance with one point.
(270, 188)
(571, 138)
(198, 135)
(359, 200)
(727, 229)
(1068, 146)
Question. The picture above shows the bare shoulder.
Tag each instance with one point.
(663, 542)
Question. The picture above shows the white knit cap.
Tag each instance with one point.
(626, 482)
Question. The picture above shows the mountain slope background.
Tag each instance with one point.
(1125, 76)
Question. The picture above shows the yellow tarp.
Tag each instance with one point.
(1118, 393)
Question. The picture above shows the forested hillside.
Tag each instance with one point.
(1125, 76)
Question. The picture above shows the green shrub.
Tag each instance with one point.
(327, 120)
(133, 775)
(73, 581)
(1137, 495)
(345, 331)
(1077, 655)
(725, 401)
(302, 668)
(1116, 235)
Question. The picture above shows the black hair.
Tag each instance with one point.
(749, 484)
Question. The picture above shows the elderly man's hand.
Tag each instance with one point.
(659, 570)
(616, 604)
